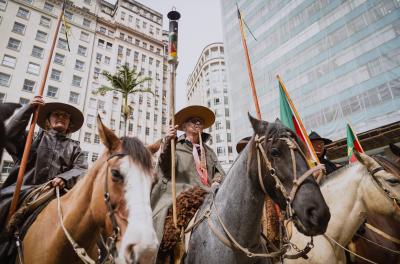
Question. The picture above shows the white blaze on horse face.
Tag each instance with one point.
(140, 242)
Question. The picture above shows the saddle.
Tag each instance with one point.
(187, 204)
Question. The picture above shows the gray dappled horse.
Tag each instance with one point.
(238, 204)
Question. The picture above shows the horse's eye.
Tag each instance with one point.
(393, 181)
(116, 175)
(275, 152)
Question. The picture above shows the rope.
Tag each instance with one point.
(383, 234)
(81, 252)
(351, 252)
(376, 244)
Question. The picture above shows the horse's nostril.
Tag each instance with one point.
(130, 254)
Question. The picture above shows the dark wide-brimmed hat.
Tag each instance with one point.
(242, 144)
(195, 111)
(314, 136)
(76, 119)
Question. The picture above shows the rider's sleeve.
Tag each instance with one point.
(164, 160)
(79, 168)
(15, 131)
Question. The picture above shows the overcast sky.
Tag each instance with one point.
(199, 25)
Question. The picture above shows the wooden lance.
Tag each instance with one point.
(252, 83)
(25, 156)
(173, 17)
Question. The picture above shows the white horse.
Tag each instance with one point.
(352, 193)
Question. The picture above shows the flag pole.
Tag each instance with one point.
(302, 128)
(248, 64)
(173, 17)
(28, 143)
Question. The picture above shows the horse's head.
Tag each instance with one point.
(381, 193)
(283, 173)
(125, 180)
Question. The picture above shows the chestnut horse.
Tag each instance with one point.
(123, 174)
(353, 194)
(373, 244)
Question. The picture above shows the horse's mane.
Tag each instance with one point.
(138, 152)
(388, 165)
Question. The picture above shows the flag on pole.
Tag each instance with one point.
(352, 143)
(67, 29)
(291, 119)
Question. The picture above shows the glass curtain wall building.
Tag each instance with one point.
(340, 61)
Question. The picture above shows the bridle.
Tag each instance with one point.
(228, 238)
(289, 197)
(111, 241)
(383, 186)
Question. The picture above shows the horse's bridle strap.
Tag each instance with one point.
(376, 170)
(298, 182)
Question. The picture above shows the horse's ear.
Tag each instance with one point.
(366, 160)
(395, 149)
(259, 126)
(153, 148)
(7, 109)
(107, 137)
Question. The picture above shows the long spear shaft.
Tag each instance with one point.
(248, 64)
(29, 138)
(173, 17)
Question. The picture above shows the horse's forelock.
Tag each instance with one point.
(138, 152)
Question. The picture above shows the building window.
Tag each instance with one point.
(2, 97)
(68, 15)
(96, 139)
(59, 58)
(28, 85)
(147, 131)
(48, 7)
(84, 36)
(41, 36)
(55, 75)
(112, 124)
(110, 33)
(7, 166)
(3, 4)
(5, 79)
(88, 2)
(52, 91)
(108, 46)
(96, 73)
(226, 112)
(122, 15)
(228, 124)
(45, 21)
(86, 22)
(73, 97)
(86, 155)
(92, 103)
(143, 58)
(147, 115)
(18, 28)
(103, 30)
(62, 43)
(76, 81)
(23, 101)
(128, 52)
(33, 68)
(9, 61)
(37, 52)
(220, 151)
(95, 156)
(23, 13)
(79, 65)
(14, 44)
(87, 137)
(82, 50)
(106, 60)
(228, 137)
(100, 104)
(90, 120)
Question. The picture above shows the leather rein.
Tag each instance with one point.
(228, 238)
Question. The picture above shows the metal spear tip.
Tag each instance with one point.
(173, 15)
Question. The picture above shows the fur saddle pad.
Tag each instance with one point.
(187, 204)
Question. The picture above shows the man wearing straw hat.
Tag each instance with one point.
(53, 156)
(196, 162)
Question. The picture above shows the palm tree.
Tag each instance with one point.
(126, 81)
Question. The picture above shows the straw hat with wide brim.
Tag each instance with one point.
(76, 119)
(195, 111)
(242, 144)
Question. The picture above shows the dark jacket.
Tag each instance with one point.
(329, 165)
(52, 155)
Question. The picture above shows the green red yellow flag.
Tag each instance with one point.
(291, 119)
(352, 143)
